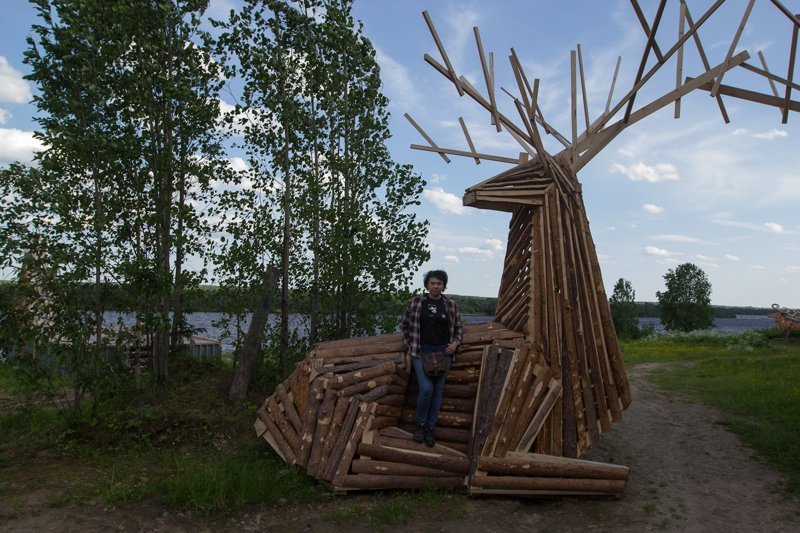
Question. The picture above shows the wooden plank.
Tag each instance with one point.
(679, 66)
(537, 465)
(706, 64)
(651, 39)
(463, 153)
(388, 468)
(427, 137)
(286, 429)
(333, 461)
(310, 421)
(289, 408)
(604, 486)
(583, 87)
(790, 75)
(374, 482)
(488, 78)
(532, 431)
(442, 51)
(732, 48)
(324, 419)
(365, 411)
(458, 465)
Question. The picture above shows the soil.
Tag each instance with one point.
(687, 474)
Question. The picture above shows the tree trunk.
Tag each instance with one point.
(252, 342)
(287, 222)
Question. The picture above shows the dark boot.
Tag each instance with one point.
(419, 434)
(429, 440)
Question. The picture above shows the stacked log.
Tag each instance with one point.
(352, 428)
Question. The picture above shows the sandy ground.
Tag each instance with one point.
(687, 474)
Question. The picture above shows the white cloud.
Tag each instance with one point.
(670, 237)
(12, 87)
(794, 269)
(772, 227)
(18, 145)
(651, 174)
(659, 252)
(653, 209)
(771, 134)
(758, 267)
(495, 244)
(446, 202)
(4, 116)
(238, 164)
(702, 257)
(437, 178)
(740, 131)
(480, 252)
(450, 259)
(397, 82)
(732, 258)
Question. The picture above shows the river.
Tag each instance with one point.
(208, 324)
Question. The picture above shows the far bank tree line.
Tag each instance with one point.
(135, 187)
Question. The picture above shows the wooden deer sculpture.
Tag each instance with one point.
(531, 392)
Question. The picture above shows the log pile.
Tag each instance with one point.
(346, 416)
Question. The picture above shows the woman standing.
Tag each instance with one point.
(431, 323)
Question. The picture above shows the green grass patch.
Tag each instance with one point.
(755, 382)
(229, 485)
(389, 509)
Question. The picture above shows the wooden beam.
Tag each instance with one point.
(426, 137)
(646, 28)
(442, 51)
(706, 64)
(752, 96)
(679, 68)
(488, 77)
(613, 83)
(643, 63)
(573, 106)
(790, 75)
(463, 153)
(583, 87)
(794, 18)
(469, 139)
(732, 48)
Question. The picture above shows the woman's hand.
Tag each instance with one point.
(450, 349)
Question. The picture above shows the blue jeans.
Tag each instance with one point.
(431, 389)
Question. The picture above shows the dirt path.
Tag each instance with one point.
(687, 474)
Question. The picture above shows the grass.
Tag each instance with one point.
(754, 380)
(397, 508)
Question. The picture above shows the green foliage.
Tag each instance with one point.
(686, 304)
(623, 310)
(754, 381)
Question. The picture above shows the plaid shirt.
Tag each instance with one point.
(410, 324)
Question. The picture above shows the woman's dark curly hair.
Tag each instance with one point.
(438, 274)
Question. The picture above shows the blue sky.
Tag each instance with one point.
(666, 191)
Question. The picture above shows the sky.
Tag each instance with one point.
(722, 196)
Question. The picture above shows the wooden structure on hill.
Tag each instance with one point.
(531, 392)
(785, 319)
